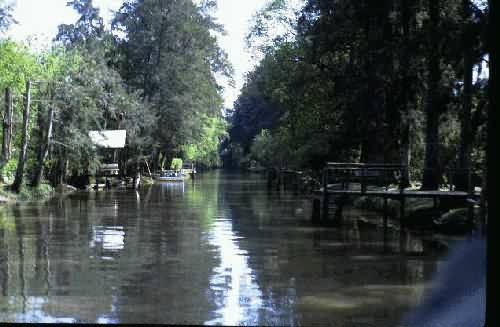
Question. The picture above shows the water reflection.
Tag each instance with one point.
(218, 250)
(232, 283)
(110, 238)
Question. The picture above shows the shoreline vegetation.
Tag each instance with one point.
(165, 96)
(41, 193)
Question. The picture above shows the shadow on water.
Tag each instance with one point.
(221, 249)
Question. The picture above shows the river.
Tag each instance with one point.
(219, 250)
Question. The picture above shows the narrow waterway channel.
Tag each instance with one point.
(219, 250)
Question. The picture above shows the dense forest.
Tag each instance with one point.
(153, 73)
(395, 81)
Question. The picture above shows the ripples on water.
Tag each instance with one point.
(221, 250)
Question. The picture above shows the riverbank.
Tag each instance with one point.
(41, 193)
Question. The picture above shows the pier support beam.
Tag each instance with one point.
(326, 207)
(316, 211)
(402, 212)
(385, 213)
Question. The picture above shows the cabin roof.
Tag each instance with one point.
(111, 139)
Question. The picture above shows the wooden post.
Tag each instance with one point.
(402, 179)
(316, 211)
(340, 206)
(450, 184)
(325, 195)
(470, 216)
(120, 119)
(470, 187)
(137, 180)
(385, 212)
(402, 211)
(7, 126)
(193, 172)
(385, 238)
(16, 186)
(363, 180)
(149, 170)
(387, 180)
(96, 180)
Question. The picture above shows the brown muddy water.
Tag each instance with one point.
(221, 250)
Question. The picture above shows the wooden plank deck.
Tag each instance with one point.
(397, 194)
(406, 193)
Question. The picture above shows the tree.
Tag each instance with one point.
(369, 82)
(492, 164)
(18, 181)
(433, 102)
(89, 27)
(170, 56)
(5, 16)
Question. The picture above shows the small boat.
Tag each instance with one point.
(170, 176)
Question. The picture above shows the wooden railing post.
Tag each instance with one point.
(363, 180)
(450, 177)
(325, 195)
(401, 179)
(386, 179)
(470, 187)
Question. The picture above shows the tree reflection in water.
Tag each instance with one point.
(219, 250)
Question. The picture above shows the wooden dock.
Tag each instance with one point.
(342, 180)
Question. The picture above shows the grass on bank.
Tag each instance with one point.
(41, 193)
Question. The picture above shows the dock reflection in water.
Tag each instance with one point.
(217, 250)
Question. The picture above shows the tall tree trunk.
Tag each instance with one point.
(405, 153)
(18, 181)
(372, 147)
(491, 159)
(7, 126)
(392, 112)
(432, 111)
(43, 150)
(464, 154)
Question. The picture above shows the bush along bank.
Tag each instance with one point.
(422, 214)
(27, 193)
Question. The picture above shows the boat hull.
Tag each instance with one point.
(170, 179)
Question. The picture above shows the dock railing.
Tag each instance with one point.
(380, 174)
(338, 178)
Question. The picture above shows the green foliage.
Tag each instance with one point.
(88, 28)
(17, 66)
(7, 222)
(176, 164)
(9, 169)
(349, 81)
(41, 193)
(169, 55)
(206, 149)
(266, 150)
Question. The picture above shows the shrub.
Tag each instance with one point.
(176, 164)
